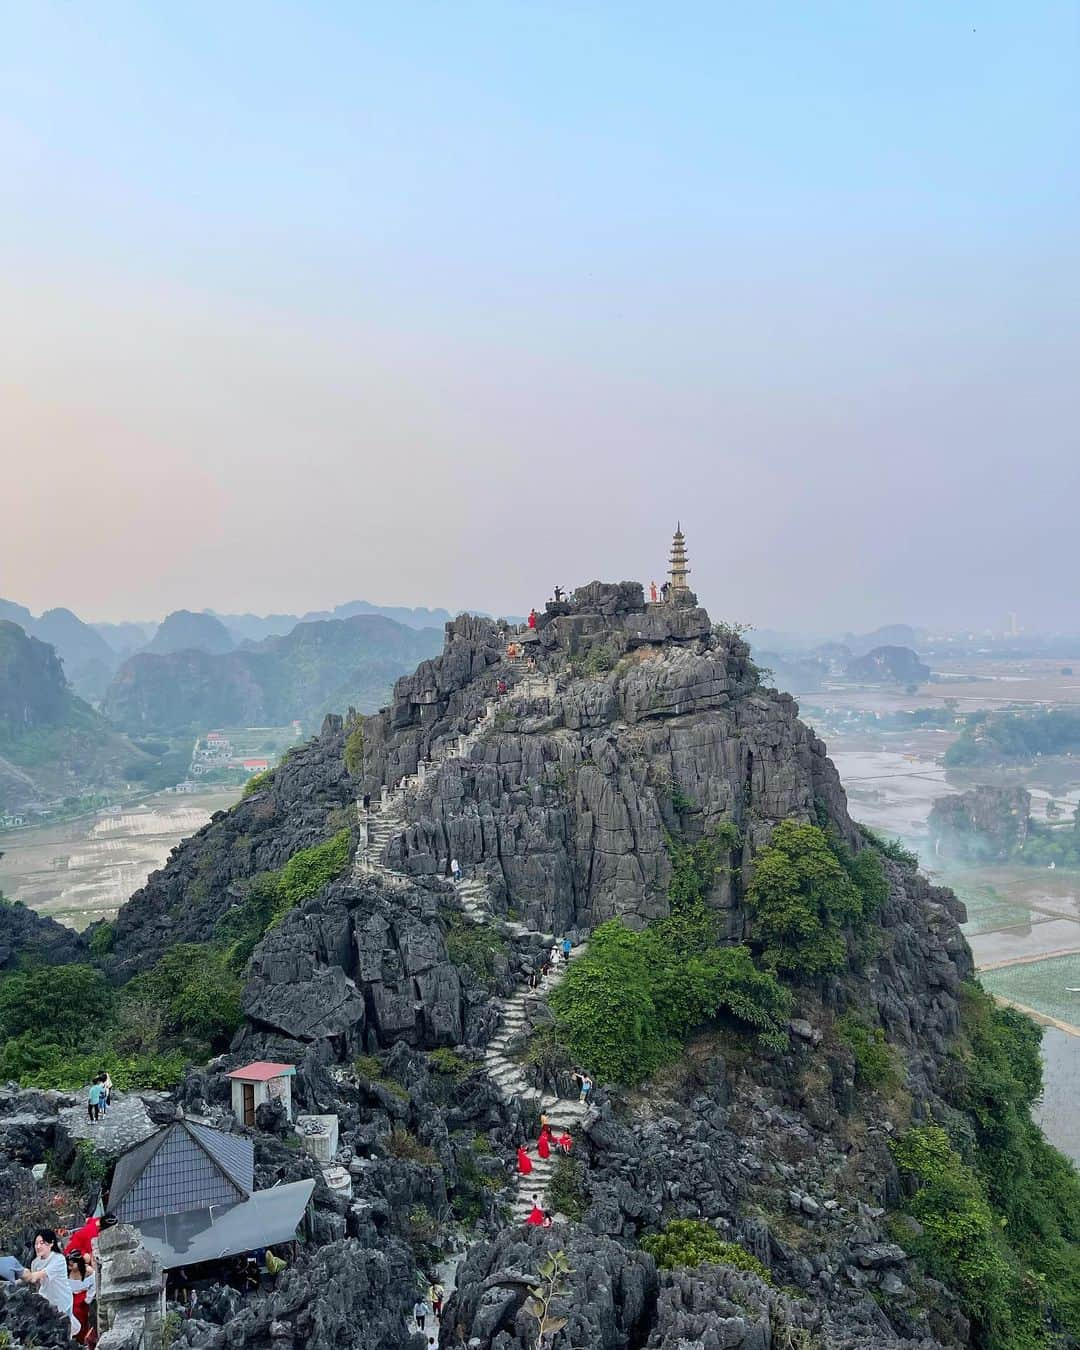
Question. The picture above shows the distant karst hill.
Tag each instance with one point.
(893, 665)
(184, 631)
(315, 668)
(89, 661)
(52, 743)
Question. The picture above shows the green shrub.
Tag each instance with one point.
(566, 1188)
(405, 1145)
(59, 1006)
(271, 895)
(367, 1066)
(354, 749)
(447, 1062)
(875, 1065)
(681, 804)
(696, 867)
(256, 783)
(101, 940)
(802, 897)
(198, 991)
(474, 947)
(692, 1242)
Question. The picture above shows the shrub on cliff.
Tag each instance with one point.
(805, 892)
(692, 1242)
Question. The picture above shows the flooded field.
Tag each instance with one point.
(1023, 922)
(83, 870)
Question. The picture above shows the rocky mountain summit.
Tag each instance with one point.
(817, 1153)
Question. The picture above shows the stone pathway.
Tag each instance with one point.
(126, 1124)
(385, 818)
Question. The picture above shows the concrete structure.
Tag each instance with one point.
(260, 1082)
(319, 1136)
(130, 1292)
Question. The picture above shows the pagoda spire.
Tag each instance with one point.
(678, 571)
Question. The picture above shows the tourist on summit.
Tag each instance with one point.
(565, 1142)
(93, 1100)
(555, 956)
(536, 1214)
(534, 978)
(532, 618)
(455, 870)
(558, 594)
(435, 1295)
(567, 948)
(48, 1270)
(543, 1144)
(524, 1161)
(420, 1312)
(107, 1087)
(500, 688)
(652, 592)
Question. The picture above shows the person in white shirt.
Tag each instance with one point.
(49, 1271)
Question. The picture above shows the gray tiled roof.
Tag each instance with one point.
(183, 1167)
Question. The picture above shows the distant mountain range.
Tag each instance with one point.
(92, 653)
(52, 743)
(315, 668)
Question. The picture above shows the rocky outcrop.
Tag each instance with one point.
(986, 822)
(309, 797)
(28, 936)
(628, 723)
(343, 1294)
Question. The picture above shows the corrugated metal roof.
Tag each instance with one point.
(214, 1232)
(185, 1166)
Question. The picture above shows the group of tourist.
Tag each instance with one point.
(99, 1097)
(427, 1306)
(64, 1276)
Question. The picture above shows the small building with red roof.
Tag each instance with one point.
(258, 1082)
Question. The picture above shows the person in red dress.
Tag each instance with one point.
(565, 1142)
(532, 618)
(524, 1162)
(536, 1214)
(543, 1144)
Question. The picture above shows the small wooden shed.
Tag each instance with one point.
(261, 1082)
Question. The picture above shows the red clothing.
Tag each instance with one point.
(565, 1142)
(532, 618)
(536, 1216)
(542, 1145)
(524, 1163)
(82, 1238)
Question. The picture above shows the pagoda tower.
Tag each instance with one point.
(679, 571)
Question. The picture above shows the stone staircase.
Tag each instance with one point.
(385, 817)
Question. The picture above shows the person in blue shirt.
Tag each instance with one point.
(566, 946)
(93, 1100)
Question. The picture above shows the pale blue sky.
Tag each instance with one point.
(447, 303)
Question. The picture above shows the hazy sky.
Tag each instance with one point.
(446, 303)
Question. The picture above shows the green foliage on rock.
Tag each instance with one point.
(271, 895)
(999, 1208)
(354, 749)
(875, 1062)
(101, 940)
(805, 892)
(475, 947)
(566, 1190)
(692, 1242)
(626, 1006)
(256, 783)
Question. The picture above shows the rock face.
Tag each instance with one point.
(632, 722)
(308, 799)
(361, 968)
(26, 934)
(986, 822)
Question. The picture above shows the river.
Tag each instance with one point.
(83, 870)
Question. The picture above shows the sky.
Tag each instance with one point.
(446, 304)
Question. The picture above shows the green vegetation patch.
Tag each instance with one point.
(999, 1210)
(566, 1190)
(271, 895)
(1015, 737)
(475, 947)
(807, 889)
(354, 749)
(692, 1242)
(875, 1059)
(626, 1006)
(257, 782)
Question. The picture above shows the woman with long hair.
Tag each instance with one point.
(49, 1271)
